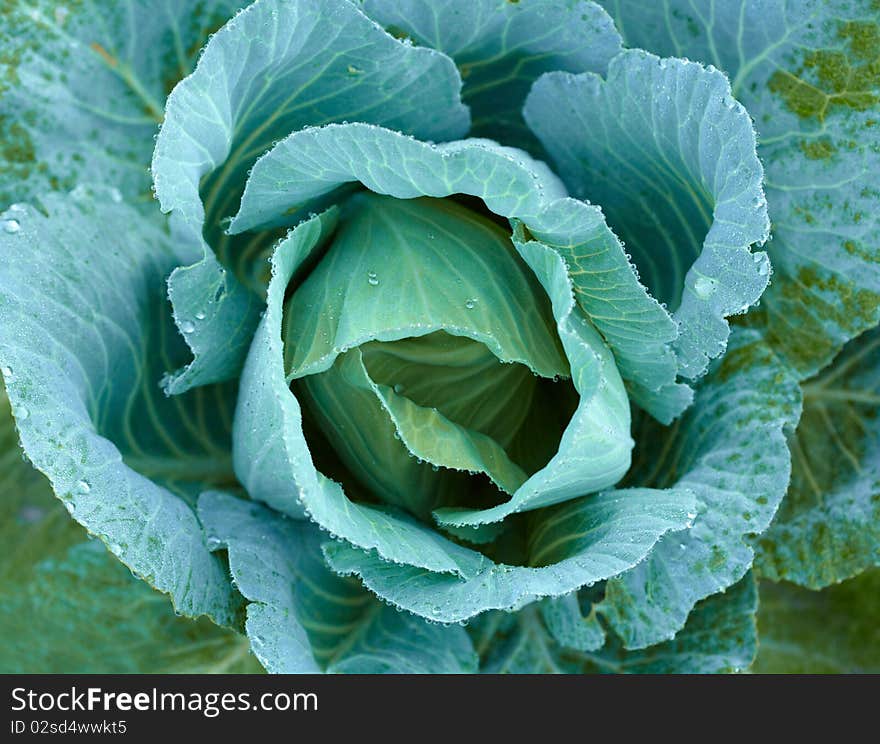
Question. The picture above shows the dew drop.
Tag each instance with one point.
(11, 226)
(372, 279)
(22, 413)
(200, 315)
(398, 388)
(187, 326)
(704, 287)
(83, 487)
(213, 543)
(470, 304)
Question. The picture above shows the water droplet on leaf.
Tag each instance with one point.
(704, 287)
(11, 226)
(187, 326)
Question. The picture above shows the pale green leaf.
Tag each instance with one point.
(272, 457)
(569, 626)
(400, 461)
(594, 452)
(404, 268)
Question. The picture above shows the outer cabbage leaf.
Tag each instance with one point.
(83, 85)
(828, 527)
(834, 631)
(502, 47)
(730, 449)
(55, 586)
(719, 637)
(86, 334)
(303, 618)
(574, 544)
(670, 156)
(277, 67)
(83, 613)
(309, 166)
(807, 72)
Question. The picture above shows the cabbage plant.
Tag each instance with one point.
(422, 337)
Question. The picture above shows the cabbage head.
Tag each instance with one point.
(440, 337)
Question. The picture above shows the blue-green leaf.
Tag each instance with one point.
(670, 156)
(502, 47)
(806, 70)
(569, 626)
(393, 642)
(828, 527)
(304, 618)
(572, 545)
(83, 86)
(719, 637)
(275, 68)
(86, 335)
(730, 450)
